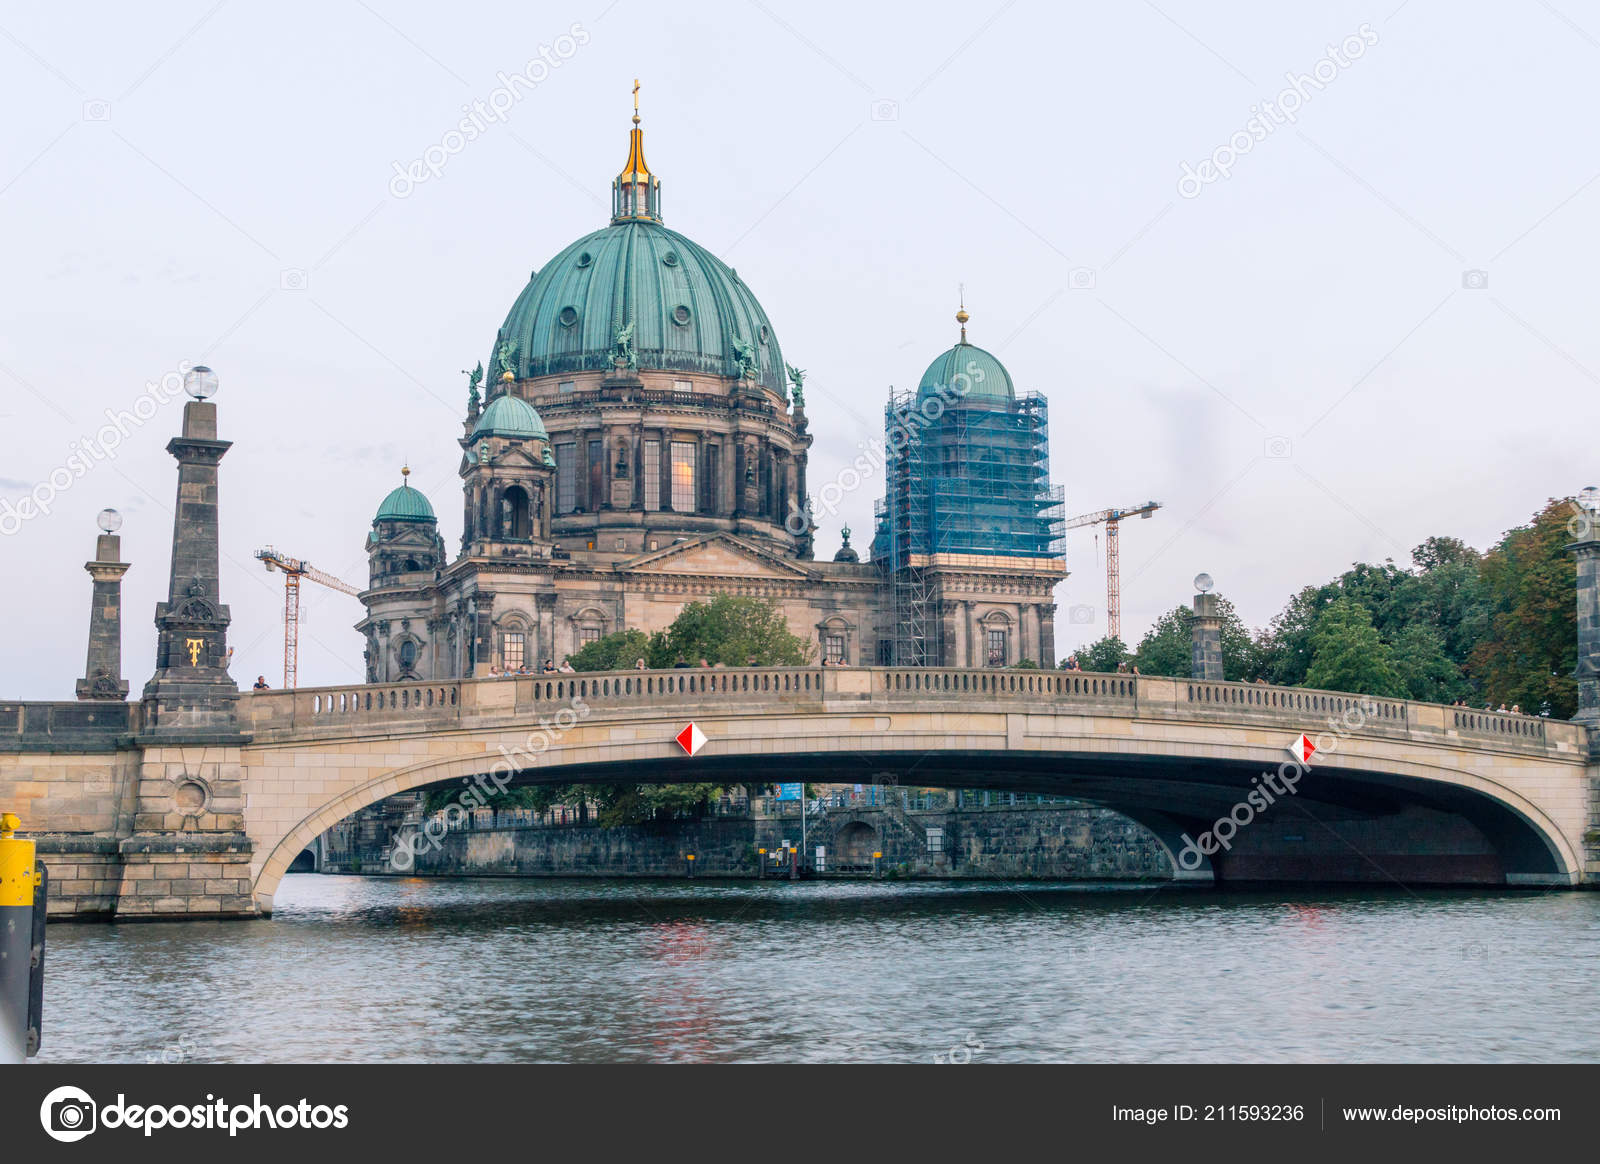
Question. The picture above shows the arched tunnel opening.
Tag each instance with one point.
(1328, 825)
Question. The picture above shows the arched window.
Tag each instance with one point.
(516, 514)
(408, 655)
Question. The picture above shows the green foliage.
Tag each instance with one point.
(1105, 654)
(1530, 649)
(617, 651)
(1426, 671)
(441, 798)
(733, 630)
(1025, 664)
(1168, 646)
(1348, 655)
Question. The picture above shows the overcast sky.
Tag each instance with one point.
(1292, 356)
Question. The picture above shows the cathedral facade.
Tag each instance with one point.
(638, 442)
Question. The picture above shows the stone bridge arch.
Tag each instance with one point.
(1174, 769)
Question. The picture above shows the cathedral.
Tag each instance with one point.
(639, 443)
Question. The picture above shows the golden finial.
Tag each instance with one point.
(405, 471)
(636, 100)
(961, 315)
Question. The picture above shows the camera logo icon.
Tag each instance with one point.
(96, 109)
(884, 109)
(68, 1114)
(1081, 278)
(293, 279)
(1278, 448)
(1475, 280)
(1080, 615)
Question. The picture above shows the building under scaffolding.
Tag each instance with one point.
(968, 494)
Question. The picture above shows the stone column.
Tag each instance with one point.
(191, 694)
(102, 674)
(1586, 549)
(1047, 635)
(188, 853)
(1206, 656)
(483, 655)
(545, 607)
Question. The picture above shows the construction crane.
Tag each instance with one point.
(1111, 518)
(295, 569)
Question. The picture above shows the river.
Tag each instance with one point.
(483, 970)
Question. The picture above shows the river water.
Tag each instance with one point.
(472, 970)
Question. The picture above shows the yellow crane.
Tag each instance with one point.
(295, 569)
(1110, 518)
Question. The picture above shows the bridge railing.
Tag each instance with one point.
(331, 711)
(1299, 701)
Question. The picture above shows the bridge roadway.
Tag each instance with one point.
(1397, 792)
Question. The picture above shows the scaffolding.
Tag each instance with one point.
(968, 486)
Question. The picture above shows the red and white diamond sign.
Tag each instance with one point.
(691, 739)
(1301, 749)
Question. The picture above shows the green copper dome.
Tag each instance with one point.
(405, 504)
(510, 416)
(688, 309)
(970, 367)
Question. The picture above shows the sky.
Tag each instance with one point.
(1318, 278)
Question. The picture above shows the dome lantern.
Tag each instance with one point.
(636, 192)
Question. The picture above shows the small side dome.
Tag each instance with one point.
(846, 552)
(405, 504)
(510, 416)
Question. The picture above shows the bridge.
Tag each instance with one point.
(1394, 792)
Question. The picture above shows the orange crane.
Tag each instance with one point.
(1111, 519)
(295, 569)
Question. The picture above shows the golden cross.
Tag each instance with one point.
(195, 646)
(636, 100)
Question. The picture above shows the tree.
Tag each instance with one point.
(1348, 655)
(1168, 646)
(1426, 671)
(1105, 654)
(734, 630)
(616, 651)
(1529, 653)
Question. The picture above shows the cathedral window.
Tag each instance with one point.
(408, 655)
(516, 520)
(652, 474)
(997, 648)
(597, 475)
(566, 490)
(511, 645)
(833, 649)
(683, 476)
(587, 635)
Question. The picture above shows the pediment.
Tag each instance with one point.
(719, 554)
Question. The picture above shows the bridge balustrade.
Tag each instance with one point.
(1295, 699)
(332, 711)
